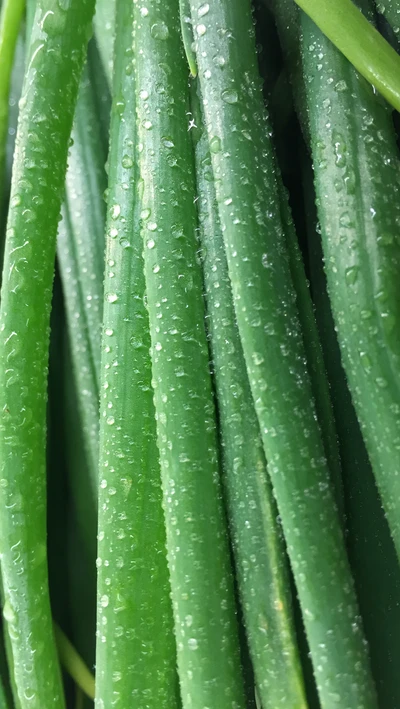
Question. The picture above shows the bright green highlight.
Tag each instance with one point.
(345, 25)
(10, 21)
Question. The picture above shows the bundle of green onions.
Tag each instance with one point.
(200, 354)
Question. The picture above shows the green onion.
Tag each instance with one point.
(391, 10)
(286, 14)
(46, 110)
(313, 352)
(81, 258)
(345, 25)
(199, 420)
(73, 663)
(101, 91)
(187, 35)
(264, 298)
(354, 149)
(198, 552)
(371, 550)
(104, 25)
(10, 21)
(85, 374)
(260, 554)
(136, 653)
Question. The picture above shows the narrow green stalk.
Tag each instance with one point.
(345, 25)
(371, 549)
(81, 527)
(198, 551)
(314, 353)
(136, 652)
(370, 546)
(260, 554)
(10, 22)
(17, 78)
(82, 509)
(55, 59)
(29, 18)
(104, 27)
(85, 185)
(83, 357)
(265, 305)
(286, 14)
(354, 149)
(281, 105)
(101, 91)
(187, 35)
(80, 249)
(81, 563)
(73, 663)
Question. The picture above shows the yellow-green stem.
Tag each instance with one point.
(345, 25)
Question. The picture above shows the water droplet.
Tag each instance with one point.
(168, 143)
(381, 382)
(215, 144)
(229, 96)
(127, 161)
(351, 275)
(257, 358)
(120, 106)
(345, 220)
(159, 30)
(16, 200)
(219, 60)
(203, 9)
(365, 361)
(341, 86)
(8, 612)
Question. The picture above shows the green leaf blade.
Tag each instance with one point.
(55, 59)
(261, 562)
(198, 553)
(136, 651)
(264, 298)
